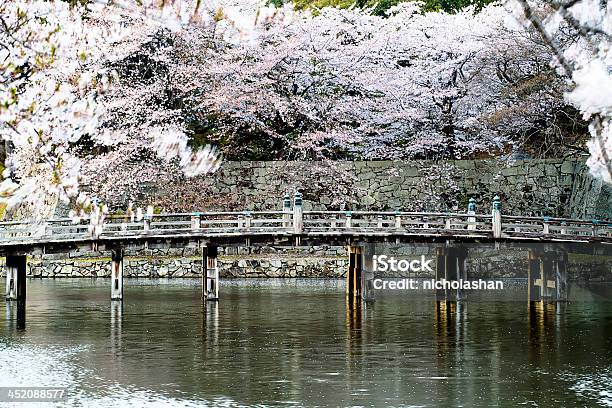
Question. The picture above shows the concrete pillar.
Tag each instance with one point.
(247, 220)
(496, 215)
(367, 274)
(450, 272)
(196, 221)
(16, 277)
(533, 272)
(546, 225)
(210, 273)
(117, 273)
(461, 258)
(349, 217)
(287, 211)
(441, 264)
(471, 212)
(354, 273)
(398, 220)
(561, 278)
(546, 274)
(298, 214)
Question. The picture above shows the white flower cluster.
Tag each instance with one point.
(587, 59)
(51, 77)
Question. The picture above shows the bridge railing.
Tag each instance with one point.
(393, 222)
(209, 222)
(316, 222)
(543, 226)
(19, 231)
(246, 221)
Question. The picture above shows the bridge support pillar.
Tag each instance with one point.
(546, 284)
(117, 273)
(533, 272)
(210, 273)
(441, 256)
(547, 276)
(462, 273)
(561, 277)
(450, 266)
(354, 274)
(367, 273)
(16, 277)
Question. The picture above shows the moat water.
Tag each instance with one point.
(298, 343)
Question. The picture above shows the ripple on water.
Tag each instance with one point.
(596, 386)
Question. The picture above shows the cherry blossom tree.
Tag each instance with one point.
(114, 98)
(345, 84)
(587, 60)
(341, 84)
(51, 78)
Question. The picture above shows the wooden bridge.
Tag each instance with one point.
(292, 225)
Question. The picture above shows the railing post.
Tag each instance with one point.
(247, 220)
(398, 220)
(563, 229)
(496, 217)
(146, 223)
(287, 211)
(471, 214)
(349, 216)
(546, 226)
(195, 221)
(379, 221)
(594, 228)
(298, 214)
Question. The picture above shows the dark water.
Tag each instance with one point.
(296, 343)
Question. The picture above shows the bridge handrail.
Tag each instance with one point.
(400, 213)
(283, 222)
(317, 212)
(557, 219)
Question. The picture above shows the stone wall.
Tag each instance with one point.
(177, 263)
(553, 187)
(591, 198)
(291, 262)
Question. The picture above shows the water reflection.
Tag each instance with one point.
(210, 324)
(16, 314)
(354, 318)
(303, 345)
(116, 316)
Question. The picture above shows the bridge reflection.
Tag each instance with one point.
(116, 326)
(16, 314)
